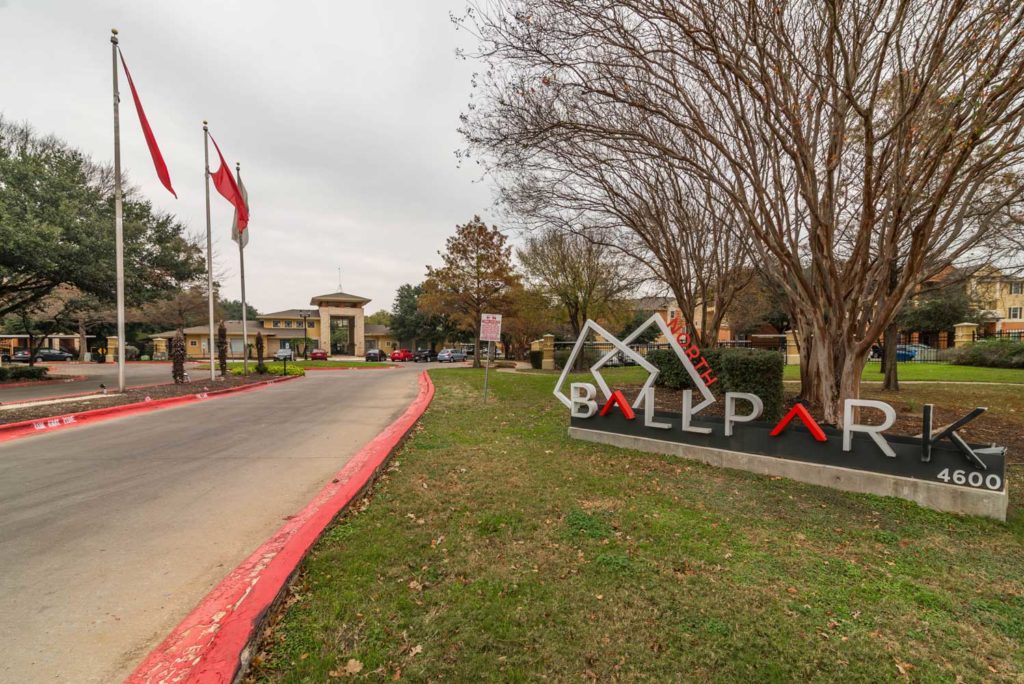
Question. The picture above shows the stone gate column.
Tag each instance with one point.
(325, 329)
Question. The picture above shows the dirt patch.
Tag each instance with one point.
(15, 415)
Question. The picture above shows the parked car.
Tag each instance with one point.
(451, 356)
(922, 352)
(24, 355)
(904, 353)
(401, 355)
(376, 355)
(425, 355)
(284, 354)
(53, 355)
(318, 355)
(5, 357)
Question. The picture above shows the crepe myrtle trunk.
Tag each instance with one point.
(892, 380)
(837, 367)
(808, 377)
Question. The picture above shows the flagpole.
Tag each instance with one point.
(118, 220)
(209, 246)
(241, 272)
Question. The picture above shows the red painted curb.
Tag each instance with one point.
(209, 645)
(36, 426)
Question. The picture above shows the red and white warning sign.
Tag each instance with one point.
(490, 327)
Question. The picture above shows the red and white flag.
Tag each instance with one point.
(225, 183)
(154, 149)
(240, 235)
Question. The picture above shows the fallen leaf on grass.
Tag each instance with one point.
(904, 669)
(353, 666)
(416, 650)
(415, 586)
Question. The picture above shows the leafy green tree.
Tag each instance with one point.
(56, 218)
(938, 309)
(232, 309)
(639, 318)
(410, 322)
(381, 317)
(407, 321)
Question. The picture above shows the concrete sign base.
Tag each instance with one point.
(935, 495)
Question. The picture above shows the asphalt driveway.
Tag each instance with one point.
(111, 533)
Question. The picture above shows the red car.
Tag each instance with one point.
(318, 355)
(401, 355)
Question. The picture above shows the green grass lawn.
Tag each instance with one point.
(938, 372)
(496, 549)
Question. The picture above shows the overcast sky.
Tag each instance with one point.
(343, 115)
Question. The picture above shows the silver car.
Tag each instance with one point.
(450, 356)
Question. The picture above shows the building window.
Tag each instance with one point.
(1017, 287)
(277, 324)
(191, 343)
(287, 324)
(1015, 311)
(671, 314)
(310, 324)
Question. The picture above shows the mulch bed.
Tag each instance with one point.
(986, 429)
(14, 415)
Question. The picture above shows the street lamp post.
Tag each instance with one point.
(305, 336)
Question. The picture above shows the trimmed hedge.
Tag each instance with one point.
(993, 353)
(22, 373)
(536, 359)
(673, 374)
(757, 371)
(274, 368)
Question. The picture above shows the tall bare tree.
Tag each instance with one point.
(584, 276)
(864, 146)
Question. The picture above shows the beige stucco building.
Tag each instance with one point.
(336, 324)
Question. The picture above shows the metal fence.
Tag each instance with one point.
(1015, 335)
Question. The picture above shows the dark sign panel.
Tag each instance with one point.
(948, 465)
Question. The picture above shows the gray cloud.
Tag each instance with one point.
(343, 116)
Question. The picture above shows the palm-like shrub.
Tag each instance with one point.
(178, 357)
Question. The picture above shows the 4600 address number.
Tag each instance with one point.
(973, 478)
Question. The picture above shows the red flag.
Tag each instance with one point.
(154, 150)
(224, 181)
